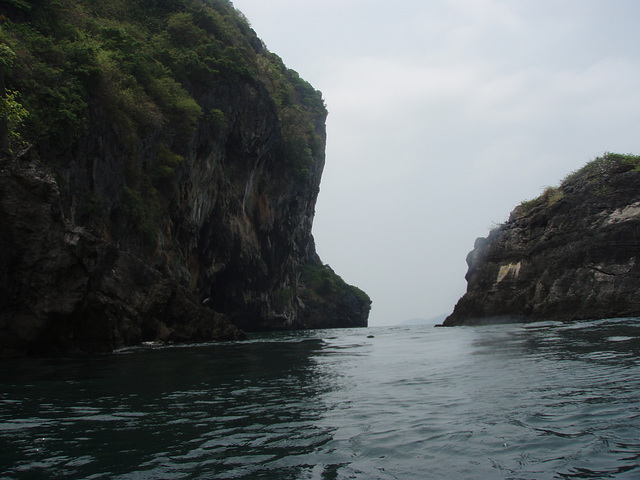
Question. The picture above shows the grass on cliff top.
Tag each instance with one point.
(594, 173)
(601, 168)
(550, 196)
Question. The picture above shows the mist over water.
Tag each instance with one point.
(540, 401)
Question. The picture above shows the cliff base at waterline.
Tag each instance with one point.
(572, 253)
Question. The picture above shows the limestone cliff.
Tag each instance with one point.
(573, 253)
(175, 138)
(66, 291)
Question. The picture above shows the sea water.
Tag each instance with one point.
(538, 401)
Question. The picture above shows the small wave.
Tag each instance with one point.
(619, 339)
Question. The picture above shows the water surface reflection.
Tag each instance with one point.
(540, 401)
(170, 412)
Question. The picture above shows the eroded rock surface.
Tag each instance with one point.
(182, 160)
(66, 291)
(573, 253)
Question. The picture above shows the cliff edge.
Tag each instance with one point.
(175, 141)
(572, 253)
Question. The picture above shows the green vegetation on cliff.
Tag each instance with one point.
(322, 282)
(145, 63)
(142, 65)
(594, 174)
(600, 169)
(176, 137)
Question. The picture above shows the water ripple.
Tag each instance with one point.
(540, 401)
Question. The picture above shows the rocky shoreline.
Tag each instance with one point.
(573, 253)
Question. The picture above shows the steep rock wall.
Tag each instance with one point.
(67, 291)
(202, 159)
(573, 253)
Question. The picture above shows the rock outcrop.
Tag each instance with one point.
(175, 141)
(573, 253)
(67, 291)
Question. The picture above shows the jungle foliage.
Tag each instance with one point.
(144, 61)
(144, 64)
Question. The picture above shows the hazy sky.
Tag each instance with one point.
(443, 116)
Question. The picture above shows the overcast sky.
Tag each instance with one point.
(443, 116)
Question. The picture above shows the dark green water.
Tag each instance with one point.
(543, 401)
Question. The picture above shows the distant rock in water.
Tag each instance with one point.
(169, 186)
(572, 253)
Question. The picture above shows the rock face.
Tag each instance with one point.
(67, 291)
(174, 162)
(573, 253)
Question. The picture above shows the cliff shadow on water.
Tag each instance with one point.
(573, 253)
(156, 157)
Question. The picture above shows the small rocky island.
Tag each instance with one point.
(159, 170)
(572, 253)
